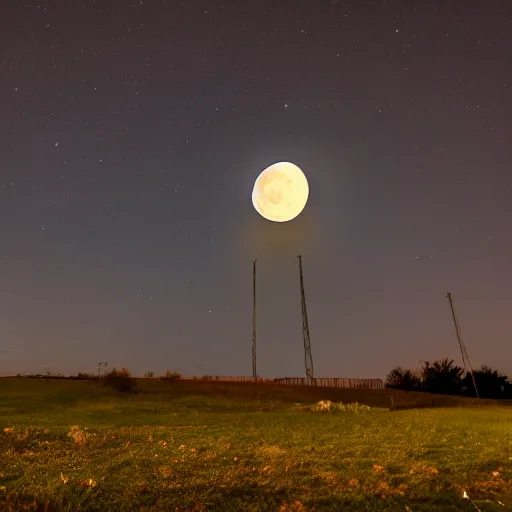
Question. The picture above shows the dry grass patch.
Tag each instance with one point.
(329, 406)
(384, 490)
(164, 471)
(331, 478)
(78, 435)
(295, 506)
(271, 451)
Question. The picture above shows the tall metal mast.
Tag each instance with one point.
(254, 372)
(463, 351)
(305, 328)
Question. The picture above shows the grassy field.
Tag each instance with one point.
(75, 445)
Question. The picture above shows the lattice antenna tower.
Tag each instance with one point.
(463, 351)
(254, 371)
(308, 358)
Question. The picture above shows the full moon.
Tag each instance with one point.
(280, 192)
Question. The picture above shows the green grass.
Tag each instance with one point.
(201, 447)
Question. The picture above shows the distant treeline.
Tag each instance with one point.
(446, 378)
(440, 377)
(121, 380)
(91, 376)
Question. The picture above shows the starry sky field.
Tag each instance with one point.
(131, 134)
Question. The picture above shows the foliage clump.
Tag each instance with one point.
(400, 378)
(444, 377)
(78, 435)
(328, 406)
(172, 376)
(85, 376)
(120, 380)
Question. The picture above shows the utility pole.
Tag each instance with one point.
(463, 351)
(305, 329)
(99, 369)
(105, 369)
(254, 372)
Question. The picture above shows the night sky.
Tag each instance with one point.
(131, 135)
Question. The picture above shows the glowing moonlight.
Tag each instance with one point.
(280, 192)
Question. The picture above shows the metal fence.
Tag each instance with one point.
(211, 378)
(326, 382)
(333, 382)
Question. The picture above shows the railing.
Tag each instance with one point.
(326, 382)
(210, 378)
(333, 382)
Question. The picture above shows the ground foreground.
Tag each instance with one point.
(74, 445)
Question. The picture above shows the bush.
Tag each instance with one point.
(398, 378)
(442, 377)
(172, 376)
(328, 406)
(120, 380)
(85, 376)
(490, 383)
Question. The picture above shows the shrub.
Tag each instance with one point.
(120, 380)
(85, 376)
(77, 434)
(398, 378)
(172, 376)
(442, 377)
(490, 383)
(328, 406)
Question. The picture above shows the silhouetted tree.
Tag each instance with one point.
(84, 376)
(172, 376)
(508, 391)
(400, 378)
(489, 382)
(442, 377)
(120, 380)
